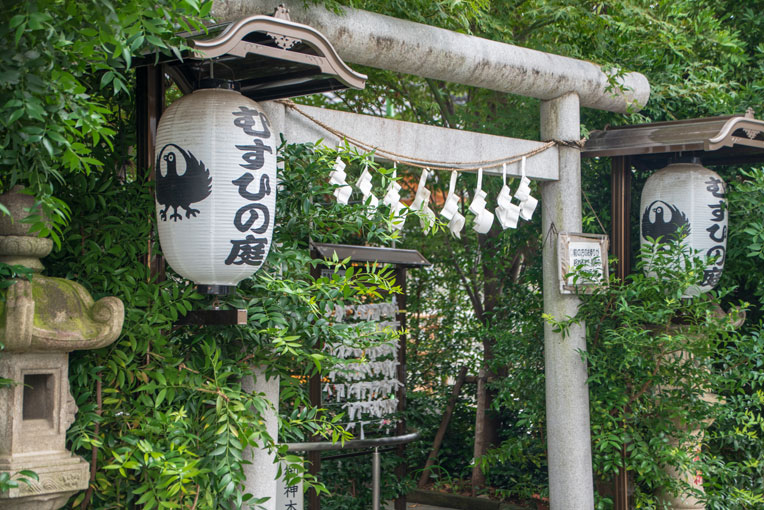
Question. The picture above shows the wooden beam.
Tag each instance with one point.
(213, 318)
(400, 427)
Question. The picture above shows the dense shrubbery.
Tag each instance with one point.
(663, 369)
(173, 420)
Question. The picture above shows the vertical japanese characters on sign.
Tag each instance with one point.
(686, 202)
(289, 496)
(215, 187)
(717, 232)
(253, 217)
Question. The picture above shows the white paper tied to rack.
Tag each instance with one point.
(421, 201)
(338, 177)
(374, 408)
(523, 194)
(507, 212)
(450, 209)
(364, 185)
(483, 217)
(361, 371)
(392, 199)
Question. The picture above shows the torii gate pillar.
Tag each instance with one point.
(571, 485)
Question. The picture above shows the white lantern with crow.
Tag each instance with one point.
(687, 201)
(215, 176)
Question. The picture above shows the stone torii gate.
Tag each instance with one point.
(564, 85)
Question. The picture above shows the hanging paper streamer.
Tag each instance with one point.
(483, 217)
(527, 208)
(338, 176)
(364, 185)
(507, 212)
(527, 202)
(450, 209)
(420, 203)
(392, 199)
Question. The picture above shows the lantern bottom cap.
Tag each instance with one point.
(218, 290)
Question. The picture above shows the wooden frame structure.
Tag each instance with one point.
(724, 140)
(563, 85)
(400, 260)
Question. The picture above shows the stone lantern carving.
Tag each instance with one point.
(41, 321)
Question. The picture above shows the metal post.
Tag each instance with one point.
(375, 481)
(571, 485)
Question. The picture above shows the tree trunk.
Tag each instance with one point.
(443, 426)
(478, 478)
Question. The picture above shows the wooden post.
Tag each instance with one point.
(400, 428)
(314, 390)
(621, 242)
(478, 477)
(149, 104)
(314, 458)
(621, 212)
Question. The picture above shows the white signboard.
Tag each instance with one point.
(289, 497)
(582, 262)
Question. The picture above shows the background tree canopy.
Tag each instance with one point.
(67, 133)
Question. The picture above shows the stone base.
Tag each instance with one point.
(61, 475)
(39, 502)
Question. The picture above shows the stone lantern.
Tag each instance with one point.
(41, 320)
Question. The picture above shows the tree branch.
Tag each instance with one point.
(446, 109)
(477, 306)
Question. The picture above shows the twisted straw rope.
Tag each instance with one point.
(435, 165)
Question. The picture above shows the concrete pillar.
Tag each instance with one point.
(567, 395)
(260, 476)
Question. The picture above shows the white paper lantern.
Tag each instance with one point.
(215, 187)
(689, 197)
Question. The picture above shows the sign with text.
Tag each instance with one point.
(289, 497)
(582, 262)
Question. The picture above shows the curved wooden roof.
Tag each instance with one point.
(725, 140)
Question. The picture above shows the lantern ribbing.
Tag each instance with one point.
(215, 187)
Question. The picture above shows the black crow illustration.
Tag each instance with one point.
(676, 225)
(175, 190)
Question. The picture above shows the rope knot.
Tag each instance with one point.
(573, 144)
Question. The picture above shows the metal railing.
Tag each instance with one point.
(357, 444)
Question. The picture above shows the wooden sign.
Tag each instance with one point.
(582, 262)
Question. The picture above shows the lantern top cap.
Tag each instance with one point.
(216, 83)
(270, 57)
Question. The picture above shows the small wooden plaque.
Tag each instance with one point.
(236, 317)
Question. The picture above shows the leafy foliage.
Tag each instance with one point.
(175, 419)
(660, 376)
(62, 65)
(66, 134)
